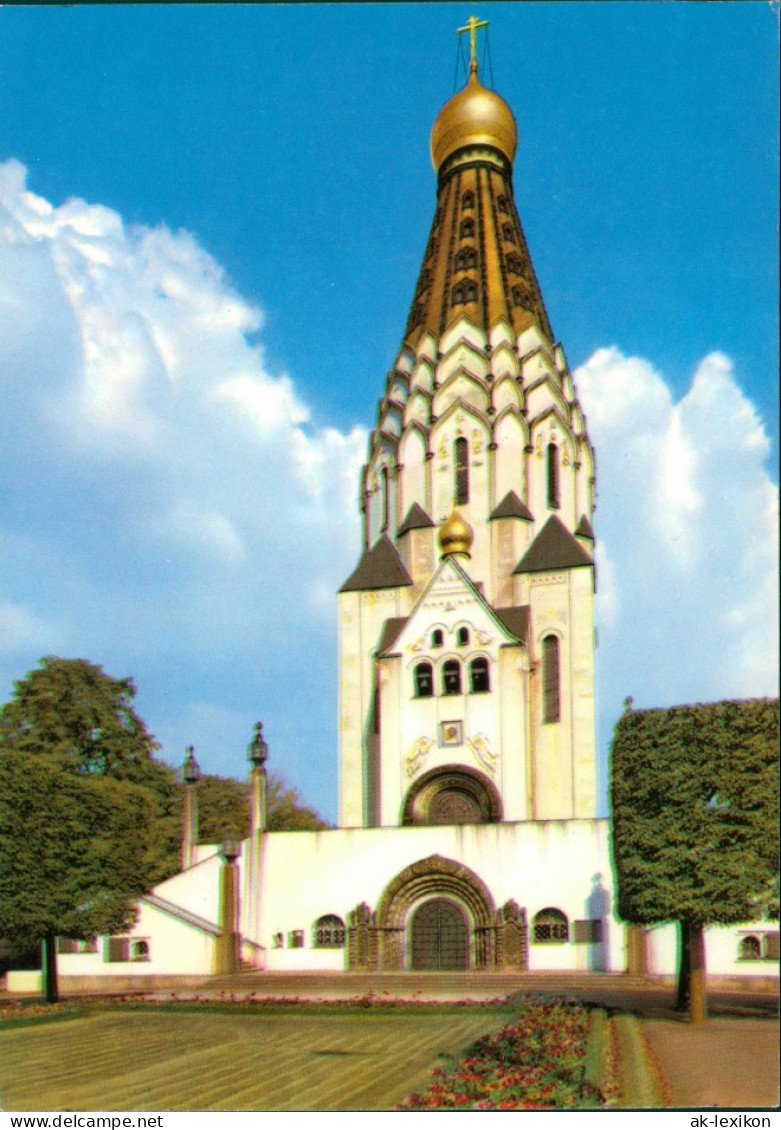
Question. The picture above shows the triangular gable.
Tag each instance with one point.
(417, 519)
(553, 548)
(449, 595)
(379, 568)
(511, 507)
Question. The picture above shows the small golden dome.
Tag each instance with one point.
(455, 536)
(474, 116)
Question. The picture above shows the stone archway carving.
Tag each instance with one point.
(438, 877)
(479, 796)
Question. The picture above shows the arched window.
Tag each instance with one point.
(550, 679)
(464, 291)
(385, 498)
(451, 677)
(461, 467)
(462, 637)
(508, 233)
(437, 638)
(139, 951)
(479, 681)
(550, 925)
(467, 229)
(749, 949)
(553, 476)
(328, 933)
(468, 199)
(424, 680)
(465, 258)
(515, 264)
(503, 204)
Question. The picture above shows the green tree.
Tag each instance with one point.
(74, 852)
(223, 808)
(695, 823)
(72, 710)
(102, 822)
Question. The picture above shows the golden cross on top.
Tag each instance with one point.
(472, 24)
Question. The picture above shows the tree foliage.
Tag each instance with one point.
(73, 849)
(72, 712)
(223, 808)
(695, 812)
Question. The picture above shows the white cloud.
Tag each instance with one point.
(688, 525)
(192, 510)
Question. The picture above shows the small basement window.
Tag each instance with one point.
(587, 930)
(550, 926)
(328, 932)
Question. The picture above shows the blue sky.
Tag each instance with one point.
(207, 268)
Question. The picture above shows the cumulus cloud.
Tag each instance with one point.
(173, 508)
(688, 525)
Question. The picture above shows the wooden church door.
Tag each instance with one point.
(439, 936)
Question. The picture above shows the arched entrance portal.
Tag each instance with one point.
(439, 936)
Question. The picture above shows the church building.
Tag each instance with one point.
(468, 833)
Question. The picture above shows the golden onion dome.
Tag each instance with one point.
(474, 116)
(455, 536)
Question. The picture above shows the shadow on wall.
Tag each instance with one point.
(598, 911)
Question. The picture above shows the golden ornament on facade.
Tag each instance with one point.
(455, 536)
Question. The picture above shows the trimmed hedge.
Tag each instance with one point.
(695, 805)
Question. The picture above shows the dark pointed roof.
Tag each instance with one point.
(553, 548)
(516, 621)
(391, 630)
(584, 529)
(417, 519)
(379, 568)
(511, 507)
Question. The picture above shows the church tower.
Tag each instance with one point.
(466, 632)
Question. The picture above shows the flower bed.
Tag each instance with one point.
(536, 1063)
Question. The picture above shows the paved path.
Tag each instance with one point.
(727, 1062)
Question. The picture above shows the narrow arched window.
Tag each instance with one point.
(550, 925)
(468, 199)
(553, 476)
(462, 637)
(515, 264)
(385, 499)
(479, 681)
(461, 465)
(467, 228)
(503, 204)
(437, 638)
(550, 679)
(451, 677)
(508, 233)
(424, 680)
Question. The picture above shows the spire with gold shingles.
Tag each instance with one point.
(476, 264)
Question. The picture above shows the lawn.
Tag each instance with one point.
(164, 1059)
